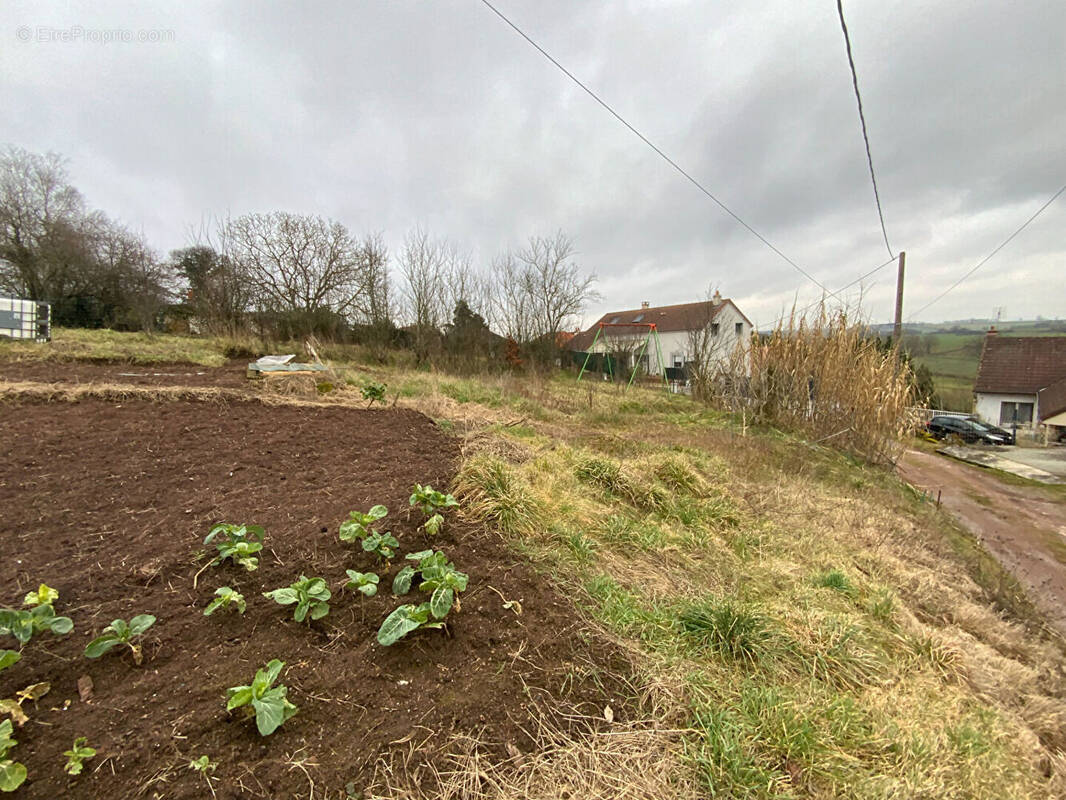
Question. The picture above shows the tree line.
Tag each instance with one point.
(281, 275)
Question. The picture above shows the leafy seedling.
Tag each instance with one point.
(121, 632)
(205, 766)
(383, 545)
(24, 624)
(77, 756)
(404, 620)
(268, 703)
(44, 596)
(8, 657)
(374, 392)
(365, 582)
(12, 706)
(309, 594)
(439, 577)
(12, 774)
(357, 526)
(226, 598)
(430, 501)
(238, 543)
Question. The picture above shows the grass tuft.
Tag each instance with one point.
(726, 628)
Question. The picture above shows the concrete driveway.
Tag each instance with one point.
(1050, 459)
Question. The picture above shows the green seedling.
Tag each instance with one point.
(77, 756)
(24, 624)
(12, 774)
(205, 766)
(430, 501)
(357, 526)
(365, 582)
(374, 392)
(268, 703)
(439, 577)
(8, 657)
(433, 525)
(226, 597)
(44, 596)
(383, 545)
(309, 594)
(404, 620)
(121, 632)
(237, 543)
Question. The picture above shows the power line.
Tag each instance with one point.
(862, 119)
(843, 288)
(981, 263)
(663, 155)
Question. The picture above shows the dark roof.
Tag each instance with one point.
(1020, 364)
(667, 319)
(1052, 399)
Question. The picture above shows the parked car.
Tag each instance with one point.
(1006, 435)
(965, 429)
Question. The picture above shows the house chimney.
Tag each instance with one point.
(717, 296)
(645, 304)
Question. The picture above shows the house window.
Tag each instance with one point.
(714, 329)
(638, 317)
(1007, 413)
(738, 329)
(678, 360)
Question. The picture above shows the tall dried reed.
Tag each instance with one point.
(821, 374)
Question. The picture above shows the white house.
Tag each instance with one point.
(1022, 379)
(625, 334)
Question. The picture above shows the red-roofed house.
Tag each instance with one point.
(725, 325)
(1023, 379)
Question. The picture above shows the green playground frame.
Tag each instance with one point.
(653, 332)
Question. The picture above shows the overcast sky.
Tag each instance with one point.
(395, 113)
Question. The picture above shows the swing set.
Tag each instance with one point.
(653, 332)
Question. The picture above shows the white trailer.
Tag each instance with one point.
(25, 319)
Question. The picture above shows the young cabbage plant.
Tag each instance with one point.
(8, 657)
(77, 756)
(121, 632)
(430, 501)
(439, 577)
(308, 594)
(383, 545)
(226, 598)
(238, 543)
(12, 774)
(205, 766)
(374, 392)
(268, 703)
(357, 526)
(365, 582)
(24, 624)
(404, 620)
(44, 596)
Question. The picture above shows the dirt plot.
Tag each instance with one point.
(232, 375)
(109, 503)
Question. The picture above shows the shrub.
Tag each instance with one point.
(374, 393)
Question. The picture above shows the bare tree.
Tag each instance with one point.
(711, 353)
(298, 264)
(559, 290)
(513, 309)
(44, 254)
(424, 268)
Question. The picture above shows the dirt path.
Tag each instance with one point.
(1024, 528)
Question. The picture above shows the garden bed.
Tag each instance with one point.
(109, 504)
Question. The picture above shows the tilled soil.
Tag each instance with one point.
(231, 375)
(109, 503)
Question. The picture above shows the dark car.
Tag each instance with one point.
(1005, 435)
(965, 429)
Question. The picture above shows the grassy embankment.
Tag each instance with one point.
(800, 624)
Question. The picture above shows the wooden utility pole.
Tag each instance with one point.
(897, 329)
